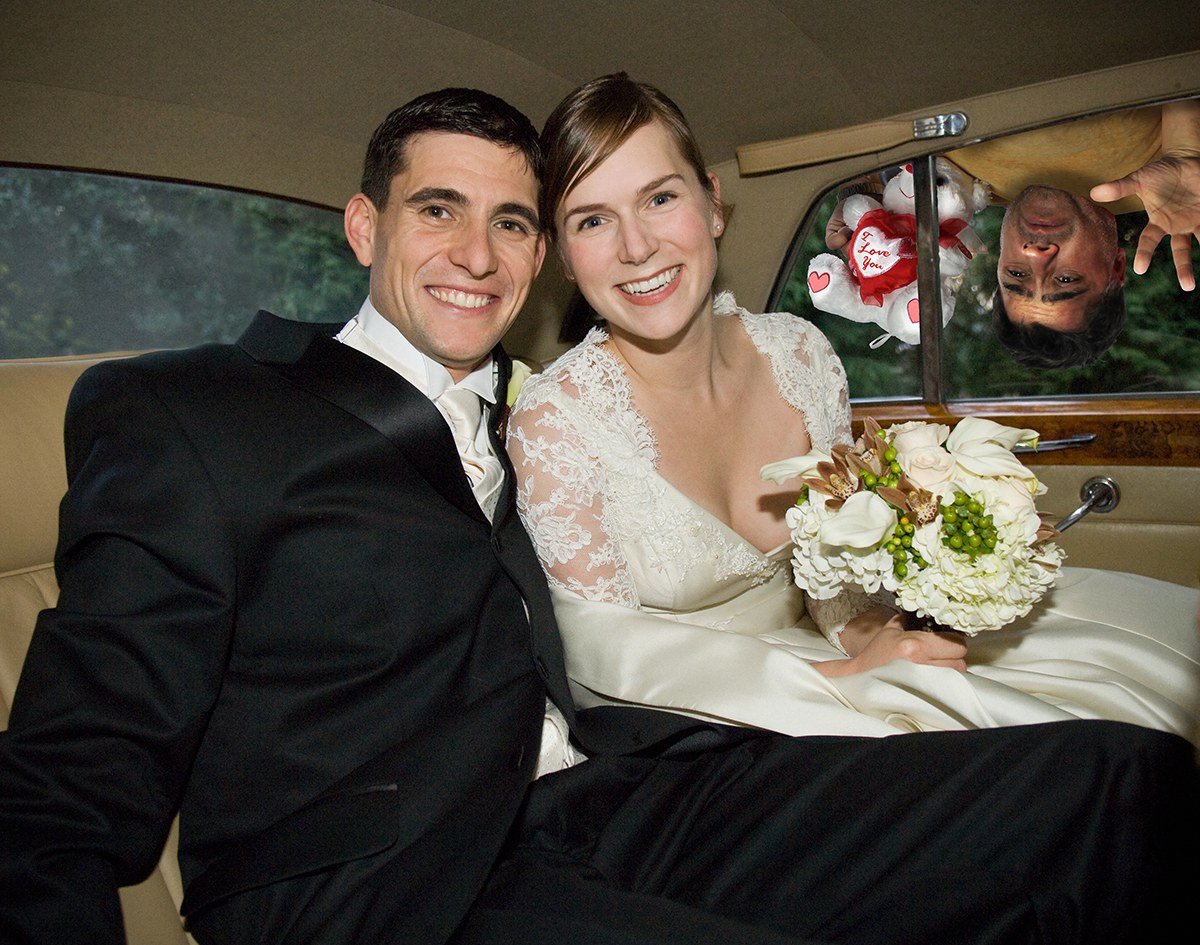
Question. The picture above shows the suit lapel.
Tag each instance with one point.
(523, 560)
(309, 357)
(497, 421)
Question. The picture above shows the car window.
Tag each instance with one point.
(92, 263)
(1157, 350)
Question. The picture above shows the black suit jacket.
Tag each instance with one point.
(283, 613)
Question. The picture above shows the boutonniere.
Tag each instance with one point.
(521, 372)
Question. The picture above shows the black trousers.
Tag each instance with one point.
(1070, 832)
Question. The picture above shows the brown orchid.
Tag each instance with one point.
(868, 446)
(920, 505)
(835, 478)
(1046, 532)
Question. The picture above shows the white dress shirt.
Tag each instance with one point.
(376, 337)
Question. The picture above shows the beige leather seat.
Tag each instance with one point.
(33, 397)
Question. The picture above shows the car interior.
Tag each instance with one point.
(167, 168)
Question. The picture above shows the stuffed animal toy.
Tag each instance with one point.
(880, 282)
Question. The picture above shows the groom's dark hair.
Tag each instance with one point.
(1038, 346)
(454, 111)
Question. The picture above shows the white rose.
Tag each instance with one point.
(1004, 496)
(917, 434)
(929, 467)
(921, 455)
(521, 372)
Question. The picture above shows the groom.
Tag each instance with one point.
(284, 612)
(297, 606)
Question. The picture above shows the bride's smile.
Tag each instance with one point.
(654, 289)
(638, 235)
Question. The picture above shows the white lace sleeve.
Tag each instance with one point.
(560, 489)
(808, 372)
(811, 378)
(831, 616)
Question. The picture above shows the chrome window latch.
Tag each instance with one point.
(940, 126)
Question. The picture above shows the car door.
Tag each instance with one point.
(1131, 419)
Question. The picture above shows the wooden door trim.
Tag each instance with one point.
(1162, 432)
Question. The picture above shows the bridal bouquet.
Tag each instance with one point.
(944, 519)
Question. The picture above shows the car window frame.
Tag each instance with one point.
(1159, 430)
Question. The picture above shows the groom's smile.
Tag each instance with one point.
(455, 250)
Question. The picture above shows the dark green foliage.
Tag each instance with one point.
(90, 263)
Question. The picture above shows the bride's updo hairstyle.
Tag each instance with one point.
(596, 119)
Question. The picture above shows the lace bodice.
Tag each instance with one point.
(608, 527)
(662, 605)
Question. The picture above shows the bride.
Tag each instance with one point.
(638, 454)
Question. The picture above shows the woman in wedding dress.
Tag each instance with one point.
(638, 454)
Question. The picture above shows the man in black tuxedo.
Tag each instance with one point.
(300, 610)
(283, 611)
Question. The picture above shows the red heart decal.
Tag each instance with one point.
(914, 311)
(818, 281)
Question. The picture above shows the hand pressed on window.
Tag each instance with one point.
(1170, 190)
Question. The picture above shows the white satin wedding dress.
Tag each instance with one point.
(660, 604)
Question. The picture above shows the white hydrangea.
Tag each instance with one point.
(822, 570)
(986, 593)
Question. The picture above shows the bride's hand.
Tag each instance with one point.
(877, 637)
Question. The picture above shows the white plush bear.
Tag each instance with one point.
(880, 283)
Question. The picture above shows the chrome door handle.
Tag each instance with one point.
(1099, 494)
(1066, 443)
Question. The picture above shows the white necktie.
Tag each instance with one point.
(462, 409)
